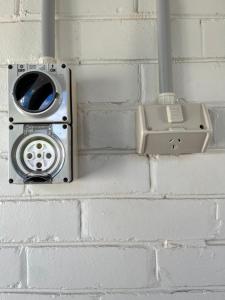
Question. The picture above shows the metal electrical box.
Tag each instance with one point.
(40, 130)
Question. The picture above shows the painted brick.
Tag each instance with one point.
(10, 266)
(44, 297)
(103, 174)
(192, 266)
(71, 39)
(150, 83)
(127, 39)
(4, 132)
(6, 189)
(183, 7)
(90, 267)
(213, 38)
(107, 129)
(184, 296)
(221, 218)
(107, 83)
(147, 220)
(186, 38)
(3, 89)
(84, 7)
(175, 175)
(39, 221)
(217, 115)
(201, 82)
(17, 42)
(196, 82)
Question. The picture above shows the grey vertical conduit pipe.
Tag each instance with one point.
(164, 47)
(48, 28)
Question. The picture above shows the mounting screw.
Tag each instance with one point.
(64, 118)
(11, 119)
(10, 181)
(64, 126)
(65, 180)
(63, 66)
(10, 67)
(10, 127)
(202, 127)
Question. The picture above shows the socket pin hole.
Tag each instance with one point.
(64, 126)
(39, 155)
(202, 127)
(10, 127)
(39, 165)
(10, 181)
(29, 156)
(11, 119)
(48, 155)
(171, 141)
(179, 140)
(65, 179)
(39, 146)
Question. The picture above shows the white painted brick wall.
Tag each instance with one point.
(148, 220)
(39, 221)
(130, 227)
(11, 266)
(93, 267)
(192, 267)
(178, 296)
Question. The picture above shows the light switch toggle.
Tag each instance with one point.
(174, 113)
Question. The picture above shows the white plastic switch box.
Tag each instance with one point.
(173, 129)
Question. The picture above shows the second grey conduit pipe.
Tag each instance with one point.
(164, 47)
(48, 28)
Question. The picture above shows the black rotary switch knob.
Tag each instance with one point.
(34, 92)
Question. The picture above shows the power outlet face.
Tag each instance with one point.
(40, 130)
(40, 153)
(173, 129)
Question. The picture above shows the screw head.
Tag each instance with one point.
(63, 66)
(10, 180)
(10, 127)
(66, 180)
(10, 67)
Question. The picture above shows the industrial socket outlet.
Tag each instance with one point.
(173, 129)
(39, 93)
(40, 153)
(40, 130)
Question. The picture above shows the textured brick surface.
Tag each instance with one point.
(107, 83)
(178, 296)
(192, 267)
(10, 265)
(148, 220)
(84, 7)
(108, 129)
(176, 175)
(45, 297)
(38, 221)
(91, 268)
